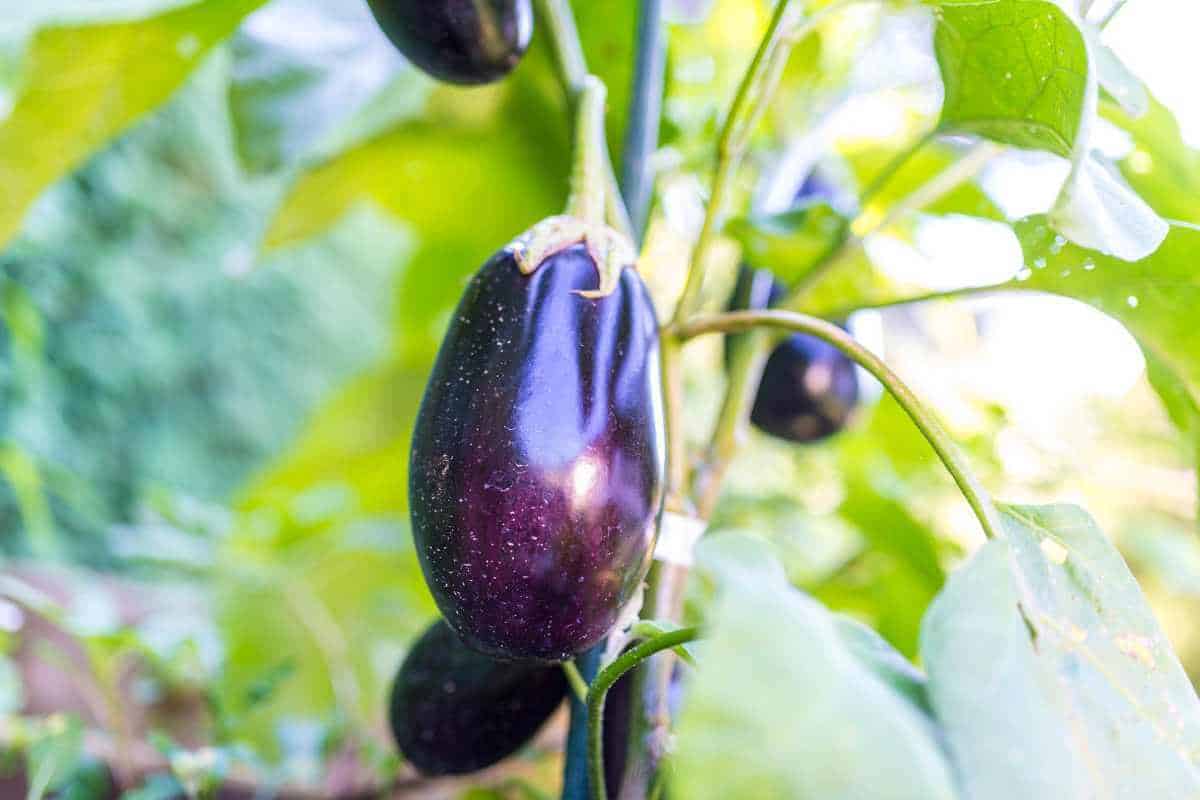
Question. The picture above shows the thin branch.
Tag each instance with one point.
(599, 692)
(933, 190)
(1116, 9)
(730, 151)
(920, 414)
(928, 297)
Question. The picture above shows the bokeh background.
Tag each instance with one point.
(231, 234)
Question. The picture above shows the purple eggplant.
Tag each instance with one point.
(458, 41)
(809, 389)
(454, 711)
(537, 463)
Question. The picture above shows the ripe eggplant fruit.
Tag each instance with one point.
(459, 41)
(809, 389)
(453, 711)
(537, 464)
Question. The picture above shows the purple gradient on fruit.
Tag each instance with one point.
(537, 462)
(460, 41)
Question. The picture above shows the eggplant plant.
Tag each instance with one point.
(638, 241)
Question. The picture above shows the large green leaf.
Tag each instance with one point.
(1155, 298)
(1051, 676)
(84, 85)
(782, 706)
(289, 94)
(1163, 169)
(1015, 71)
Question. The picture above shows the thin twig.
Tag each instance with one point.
(599, 692)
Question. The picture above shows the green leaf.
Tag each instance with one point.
(791, 243)
(289, 95)
(917, 170)
(1015, 71)
(1050, 674)
(24, 476)
(53, 755)
(1155, 298)
(783, 708)
(466, 184)
(1161, 167)
(12, 690)
(874, 652)
(359, 438)
(84, 85)
(1122, 85)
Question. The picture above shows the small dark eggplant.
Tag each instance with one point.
(459, 41)
(809, 388)
(537, 463)
(454, 711)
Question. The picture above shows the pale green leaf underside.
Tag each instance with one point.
(782, 707)
(1050, 675)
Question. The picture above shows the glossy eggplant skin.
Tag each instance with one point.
(458, 41)
(453, 711)
(809, 388)
(536, 475)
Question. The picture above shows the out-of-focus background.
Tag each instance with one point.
(231, 233)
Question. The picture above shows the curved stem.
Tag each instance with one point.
(645, 112)
(921, 415)
(572, 72)
(587, 175)
(599, 692)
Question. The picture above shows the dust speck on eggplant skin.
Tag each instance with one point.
(537, 462)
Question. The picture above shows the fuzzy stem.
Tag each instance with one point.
(588, 174)
(572, 72)
(920, 414)
(599, 692)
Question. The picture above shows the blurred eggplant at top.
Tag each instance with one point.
(466, 42)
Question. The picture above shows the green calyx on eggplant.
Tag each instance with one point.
(538, 458)
(454, 711)
(458, 41)
(809, 389)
